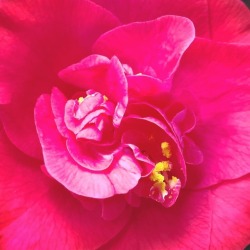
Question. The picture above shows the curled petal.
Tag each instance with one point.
(123, 173)
(103, 75)
(158, 53)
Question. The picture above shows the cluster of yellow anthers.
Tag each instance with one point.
(158, 176)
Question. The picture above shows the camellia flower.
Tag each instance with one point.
(124, 124)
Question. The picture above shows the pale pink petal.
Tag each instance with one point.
(126, 172)
(153, 47)
(79, 180)
(103, 75)
(90, 133)
(88, 155)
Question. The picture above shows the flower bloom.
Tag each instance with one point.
(124, 125)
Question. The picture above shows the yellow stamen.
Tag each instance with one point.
(156, 177)
(105, 98)
(162, 166)
(166, 149)
(80, 100)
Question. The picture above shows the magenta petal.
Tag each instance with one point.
(74, 124)
(158, 53)
(87, 155)
(38, 39)
(184, 122)
(192, 153)
(145, 86)
(221, 107)
(89, 104)
(125, 174)
(37, 213)
(60, 164)
(113, 207)
(179, 227)
(90, 133)
(18, 123)
(58, 102)
(217, 20)
(103, 75)
(88, 73)
(122, 176)
(231, 215)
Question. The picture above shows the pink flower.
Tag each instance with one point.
(124, 126)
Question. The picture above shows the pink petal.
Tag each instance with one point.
(192, 153)
(146, 86)
(231, 215)
(39, 39)
(59, 164)
(158, 53)
(37, 213)
(221, 106)
(74, 124)
(218, 20)
(148, 134)
(206, 219)
(58, 102)
(107, 77)
(126, 172)
(88, 155)
(113, 207)
(179, 227)
(79, 180)
(90, 133)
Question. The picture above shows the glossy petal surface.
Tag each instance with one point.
(37, 213)
(39, 39)
(218, 20)
(213, 80)
(158, 53)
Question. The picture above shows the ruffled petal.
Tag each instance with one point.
(121, 175)
(35, 212)
(218, 20)
(39, 39)
(103, 75)
(213, 80)
(158, 53)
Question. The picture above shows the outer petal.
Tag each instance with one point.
(38, 38)
(219, 20)
(158, 53)
(179, 227)
(231, 215)
(213, 80)
(37, 213)
(218, 218)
